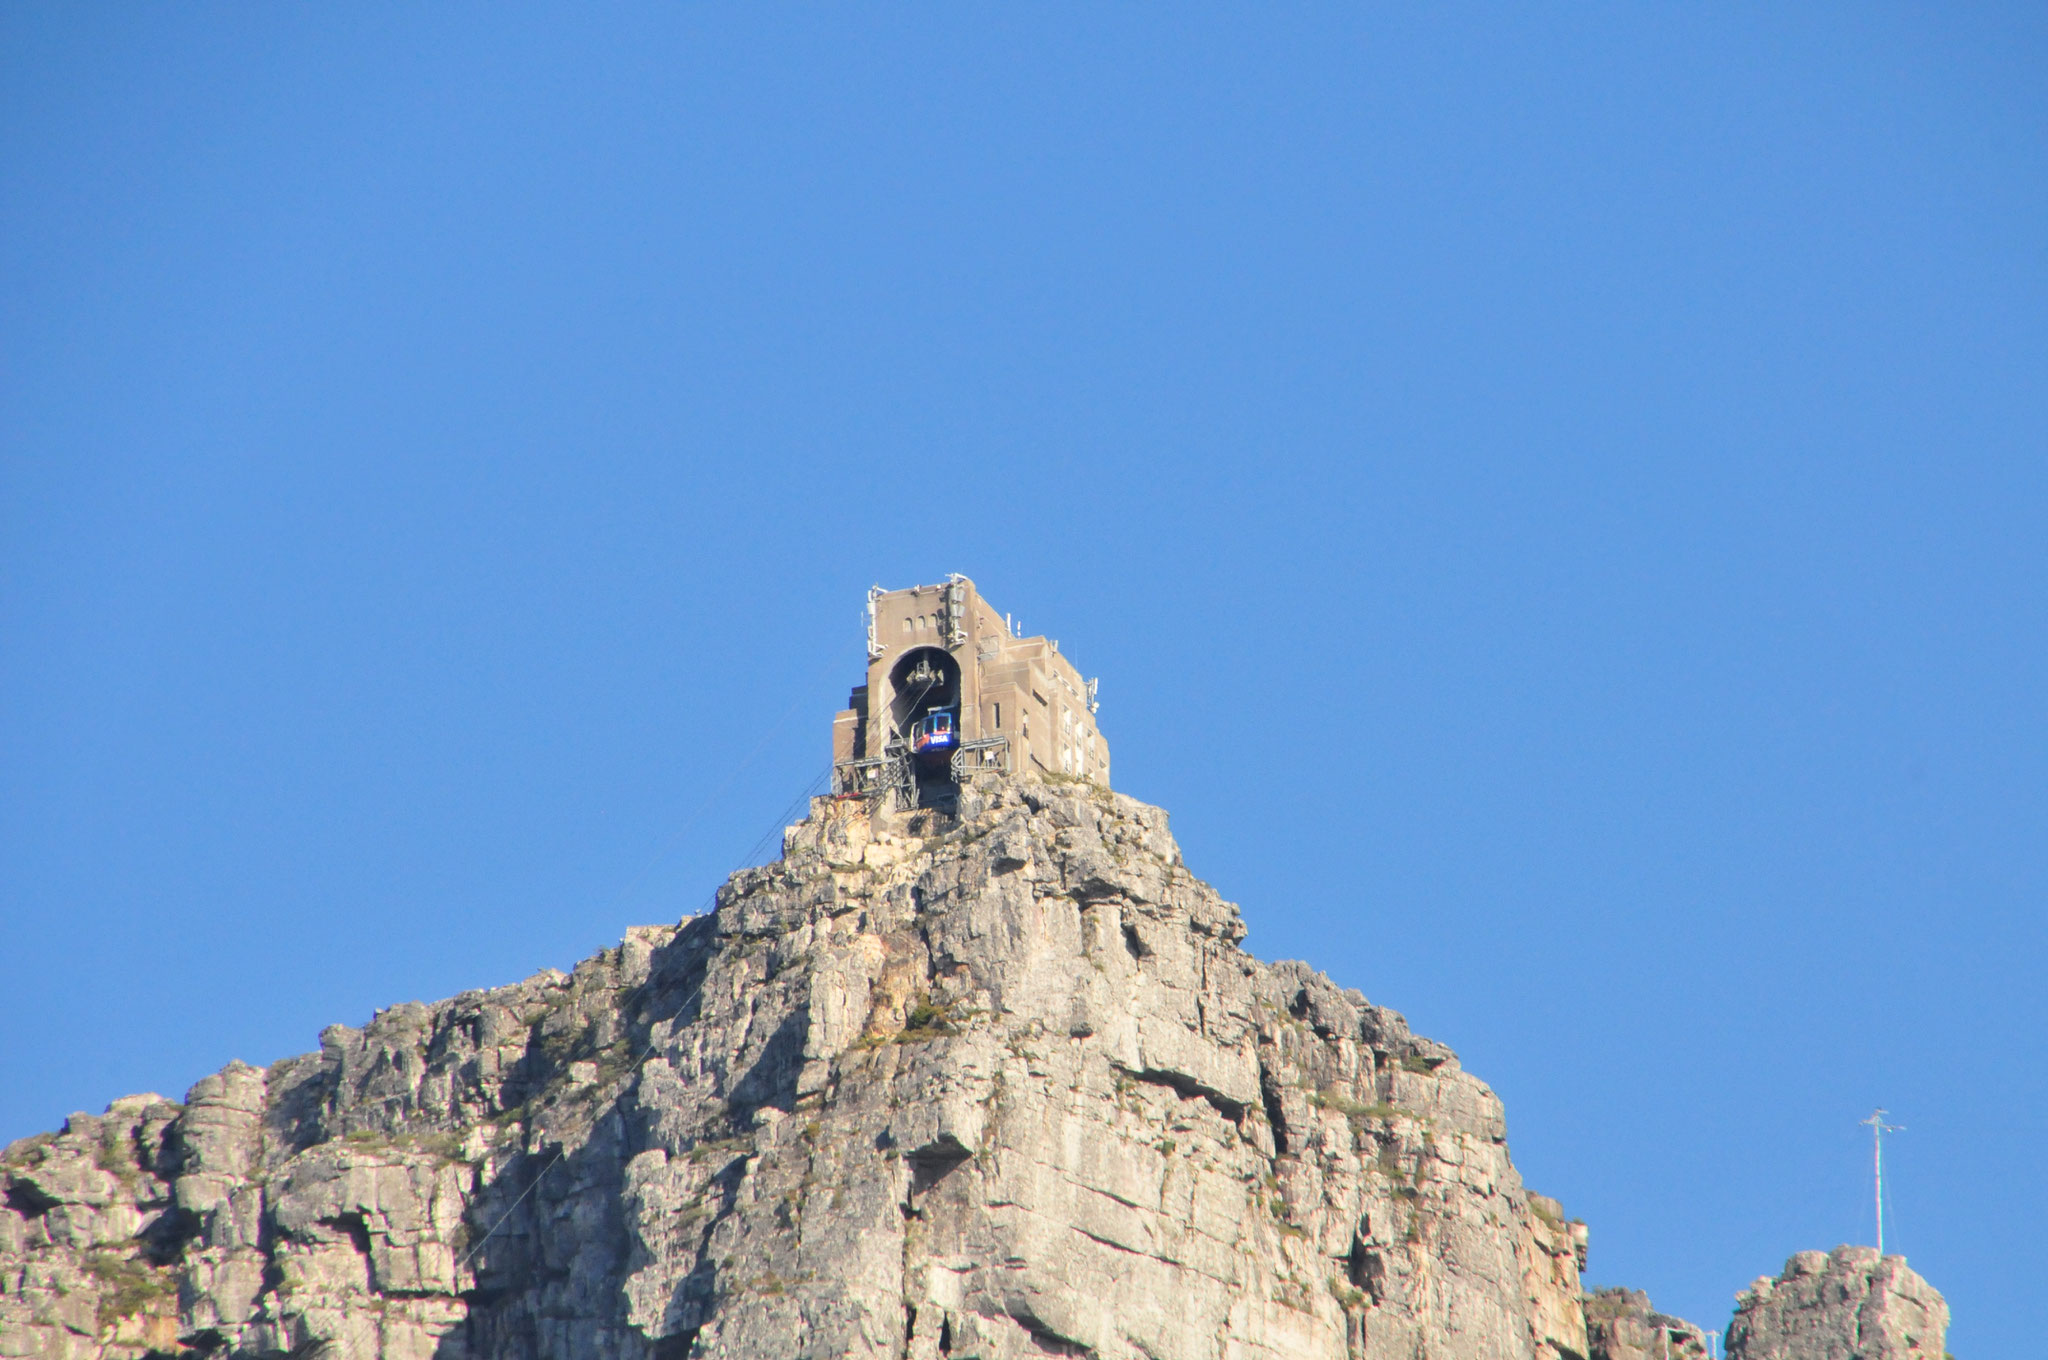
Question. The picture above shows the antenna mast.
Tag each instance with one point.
(1878, 1129)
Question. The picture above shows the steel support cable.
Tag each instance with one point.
(915, 702)
(690, 824)
(626, 1004)
(900, 733)
(897, 731)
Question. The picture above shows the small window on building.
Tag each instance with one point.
(906, 623)
(999, 717)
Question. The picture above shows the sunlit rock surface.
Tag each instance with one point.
(1621, 1325)
(997, 1086)
(1847, 1304)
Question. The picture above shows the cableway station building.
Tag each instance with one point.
(953, 694)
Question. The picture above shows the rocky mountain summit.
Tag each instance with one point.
(1847, 1304)
(996, 1085)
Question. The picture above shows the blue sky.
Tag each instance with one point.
(1555, 498)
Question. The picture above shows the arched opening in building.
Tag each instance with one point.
(923, 679)
(924, 713)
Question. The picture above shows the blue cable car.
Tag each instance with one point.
(934, 732)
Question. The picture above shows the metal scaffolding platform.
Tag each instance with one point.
(893, 774)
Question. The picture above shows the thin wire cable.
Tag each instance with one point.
(625, 1005)
(676, 837)
(915, 702)
(513, 1208)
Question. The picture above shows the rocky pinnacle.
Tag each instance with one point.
(998, 1085)
(1847, 1304)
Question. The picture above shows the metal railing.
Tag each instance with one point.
(983, 755)
(891, 775)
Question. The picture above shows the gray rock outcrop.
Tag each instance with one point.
(1001, 1086)
(1621, 1325)
(1847, 1304)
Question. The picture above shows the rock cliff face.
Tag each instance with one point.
(999, 1086)
(1621, 1325)
(1847, 1304)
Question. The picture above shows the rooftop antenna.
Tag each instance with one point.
(1878, 1129)
(875, 592)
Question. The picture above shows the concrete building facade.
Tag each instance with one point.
(940, 654)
